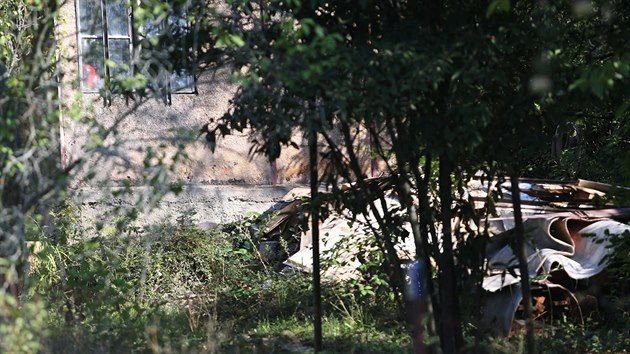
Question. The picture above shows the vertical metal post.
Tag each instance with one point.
(521, 253)
(373, 161)
(317, 320)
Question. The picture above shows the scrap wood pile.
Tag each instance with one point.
(337, 230)
(569, 227)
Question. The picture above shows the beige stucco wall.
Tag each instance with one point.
(168, 131)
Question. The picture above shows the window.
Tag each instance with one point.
(104, 38)
(168, 67)
(106, 47)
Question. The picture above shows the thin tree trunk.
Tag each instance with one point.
(522, 261)
(425, 306)
(392, 255)
(429, 235)
(317, 318)
(12, 246)
(450, 327)
(12, 241)
(421, 238)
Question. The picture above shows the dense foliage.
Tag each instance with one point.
(442, 89)
(29, 116)
(174, 288)
(433, 91)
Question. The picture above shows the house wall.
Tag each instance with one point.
(220, 186)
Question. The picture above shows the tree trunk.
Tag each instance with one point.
(12, 242)
(424, 306)
(317, 318)
(449, 324)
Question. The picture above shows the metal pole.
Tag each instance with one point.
(373, 161)
(317, 320)
(521, 253)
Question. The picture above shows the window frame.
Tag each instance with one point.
(104, 37)
(166, 78)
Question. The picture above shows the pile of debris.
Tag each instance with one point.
(569, 227)
(288, 224)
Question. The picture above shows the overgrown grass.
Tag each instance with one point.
(178, 289)
(175, 288)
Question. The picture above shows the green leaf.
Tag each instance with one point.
(597, 86)
(622, 109)
(110, 63)
(498, 6)
(237, 40)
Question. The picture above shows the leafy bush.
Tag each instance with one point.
(23, 328)
(127, 289)
(174, 288)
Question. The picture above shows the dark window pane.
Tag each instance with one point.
(177, 24)
(182, 82)
(91, 20)
(117, 18)
(181, 79)
(119, 54)
(151, 28)
(92, 68)
(157, 82)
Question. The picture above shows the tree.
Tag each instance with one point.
(442, 88)
(29, 125)
(33, 175)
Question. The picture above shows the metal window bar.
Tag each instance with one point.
(107, 98)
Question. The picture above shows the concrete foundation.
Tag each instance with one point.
(201, 204)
